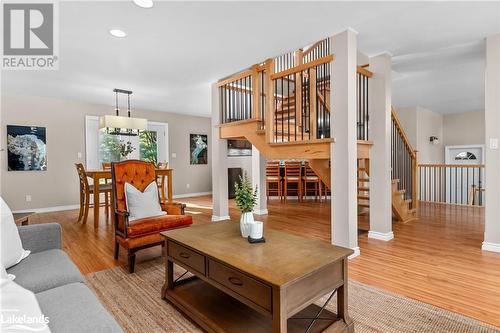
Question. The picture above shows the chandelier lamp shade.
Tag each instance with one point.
(119, 125)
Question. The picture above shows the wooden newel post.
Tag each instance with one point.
(269, 121)
(256, 89)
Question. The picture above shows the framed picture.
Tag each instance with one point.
(198, 147)
(26, 148)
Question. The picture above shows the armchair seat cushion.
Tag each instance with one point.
(157, 224)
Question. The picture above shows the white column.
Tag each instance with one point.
(380, 95)
(219, 164)
(492, 129)
(259, 180)
(344, 151)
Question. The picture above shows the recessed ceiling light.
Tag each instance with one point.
(118, 33)
(144, 3)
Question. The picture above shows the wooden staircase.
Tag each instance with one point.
(285, 115)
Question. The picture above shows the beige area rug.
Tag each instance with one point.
(135, 302)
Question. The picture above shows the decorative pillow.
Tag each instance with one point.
(142, 204)
(11, 248)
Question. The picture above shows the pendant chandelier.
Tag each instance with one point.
(118, 125)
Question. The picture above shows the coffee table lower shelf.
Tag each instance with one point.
(218, 312)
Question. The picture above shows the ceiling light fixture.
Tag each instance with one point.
(144, 3)
(117, 33)
(118, 125)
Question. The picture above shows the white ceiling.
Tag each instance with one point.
(175, 50)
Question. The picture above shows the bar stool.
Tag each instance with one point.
(310, 177)
(293, 175)
(273, 177)
(86, 190)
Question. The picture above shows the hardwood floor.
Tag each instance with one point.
(436, 259)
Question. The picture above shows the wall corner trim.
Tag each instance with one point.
(492, 247)
(356, 253)
(383, 236)
(220, 218)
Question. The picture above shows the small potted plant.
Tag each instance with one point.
(246, 199)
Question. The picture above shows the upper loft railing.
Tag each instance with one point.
(299, 107)
(290, 95)
(403, 161)
(457, 184)
(362, 115)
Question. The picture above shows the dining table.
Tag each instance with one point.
(105, 174)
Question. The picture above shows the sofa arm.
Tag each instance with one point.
(173, 208)
(41, 237)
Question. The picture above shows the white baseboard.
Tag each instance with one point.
(188, 195)
(356, 253)
(216, 218)
(383, 236)
(261, 211)
(492, 247)
(48, 209)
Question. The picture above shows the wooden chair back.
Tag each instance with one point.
(137, 173)
(82, 177)
(293, 171)
(308, 172)
(106, 165)
(273, 170)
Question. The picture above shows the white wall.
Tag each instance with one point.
(463, 128)
(243, 162)
(420, 124)
(429, 124)
(65, 123)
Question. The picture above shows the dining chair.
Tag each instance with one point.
(86, 190)
(160, 180)
(293, 175)
(106, 165)
(310, 177)
(143, 232)
(273, 177)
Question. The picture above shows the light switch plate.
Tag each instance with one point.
(79, 155)
(493, 143)
(174, 155)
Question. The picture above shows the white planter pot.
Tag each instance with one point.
(245, 221)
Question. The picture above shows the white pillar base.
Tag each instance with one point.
(356, 253)
(492, 247)
(216, 218)
(383, 236)
(260, 211)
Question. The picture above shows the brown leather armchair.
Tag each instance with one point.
(142, 233)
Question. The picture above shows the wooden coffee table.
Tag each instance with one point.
(267, 287)
(23, 218)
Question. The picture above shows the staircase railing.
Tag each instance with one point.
(403, 161)
(456, 184)
(362, 116)
(289, 95)
(242, 95)
(299, 107)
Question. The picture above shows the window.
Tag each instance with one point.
(150, 145)
(465, 155)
